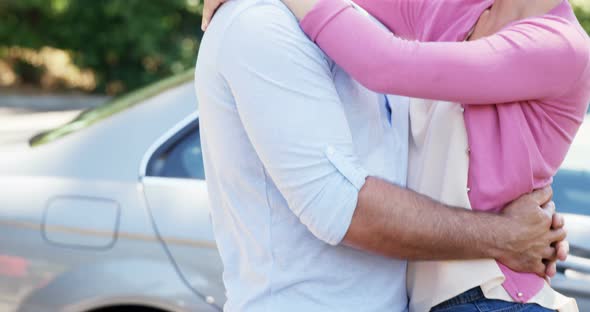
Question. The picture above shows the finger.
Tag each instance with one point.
(542, 196)
(555, 236)
(540, 269)
(563, 250)
(549, 253)
(551, 270)
(558, 221)
(549, 208)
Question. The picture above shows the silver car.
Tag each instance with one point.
(109, 213)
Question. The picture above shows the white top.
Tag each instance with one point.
(288, 140)
(438, 167)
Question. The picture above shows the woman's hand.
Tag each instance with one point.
(209, 8)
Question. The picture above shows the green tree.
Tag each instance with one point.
(583, 15)
(127, 43)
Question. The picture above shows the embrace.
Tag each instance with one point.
(389, 155)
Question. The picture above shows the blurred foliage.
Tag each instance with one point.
(583, 14)
(127, 43)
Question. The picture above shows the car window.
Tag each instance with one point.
(180, 157)
(571, 192)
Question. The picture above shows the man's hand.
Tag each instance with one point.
(533, 235)
(563, 247)
(209, 8)
(399, 223)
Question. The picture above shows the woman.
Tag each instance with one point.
(525, 92)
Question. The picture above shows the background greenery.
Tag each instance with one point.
(583, 13)
(124, 43)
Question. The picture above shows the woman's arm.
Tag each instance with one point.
(532, 59)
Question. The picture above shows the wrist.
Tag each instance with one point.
(495, 238)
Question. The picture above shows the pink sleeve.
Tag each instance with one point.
(532, 59)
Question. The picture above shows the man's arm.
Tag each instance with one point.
(292, 115)
(400, 223)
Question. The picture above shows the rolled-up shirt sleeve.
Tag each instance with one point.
(286, 99)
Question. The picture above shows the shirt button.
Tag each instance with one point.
(462, 109)
(468, 150)
(468, 190)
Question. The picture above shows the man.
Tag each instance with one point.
(306, 169)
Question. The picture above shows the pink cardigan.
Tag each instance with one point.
(538, 68)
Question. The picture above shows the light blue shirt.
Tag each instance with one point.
(288, 140)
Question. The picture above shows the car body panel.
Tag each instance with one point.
(100, 162)
(47, 265)
(181, 215)
(578, 227)
(572, 196)
(579, 153)
(67, 217)
(118, 281)
(109, 150)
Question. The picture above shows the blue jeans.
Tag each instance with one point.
(474, 301)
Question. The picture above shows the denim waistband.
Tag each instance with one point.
(469, 296)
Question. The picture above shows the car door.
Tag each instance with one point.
(571, 193)
(173, 181)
